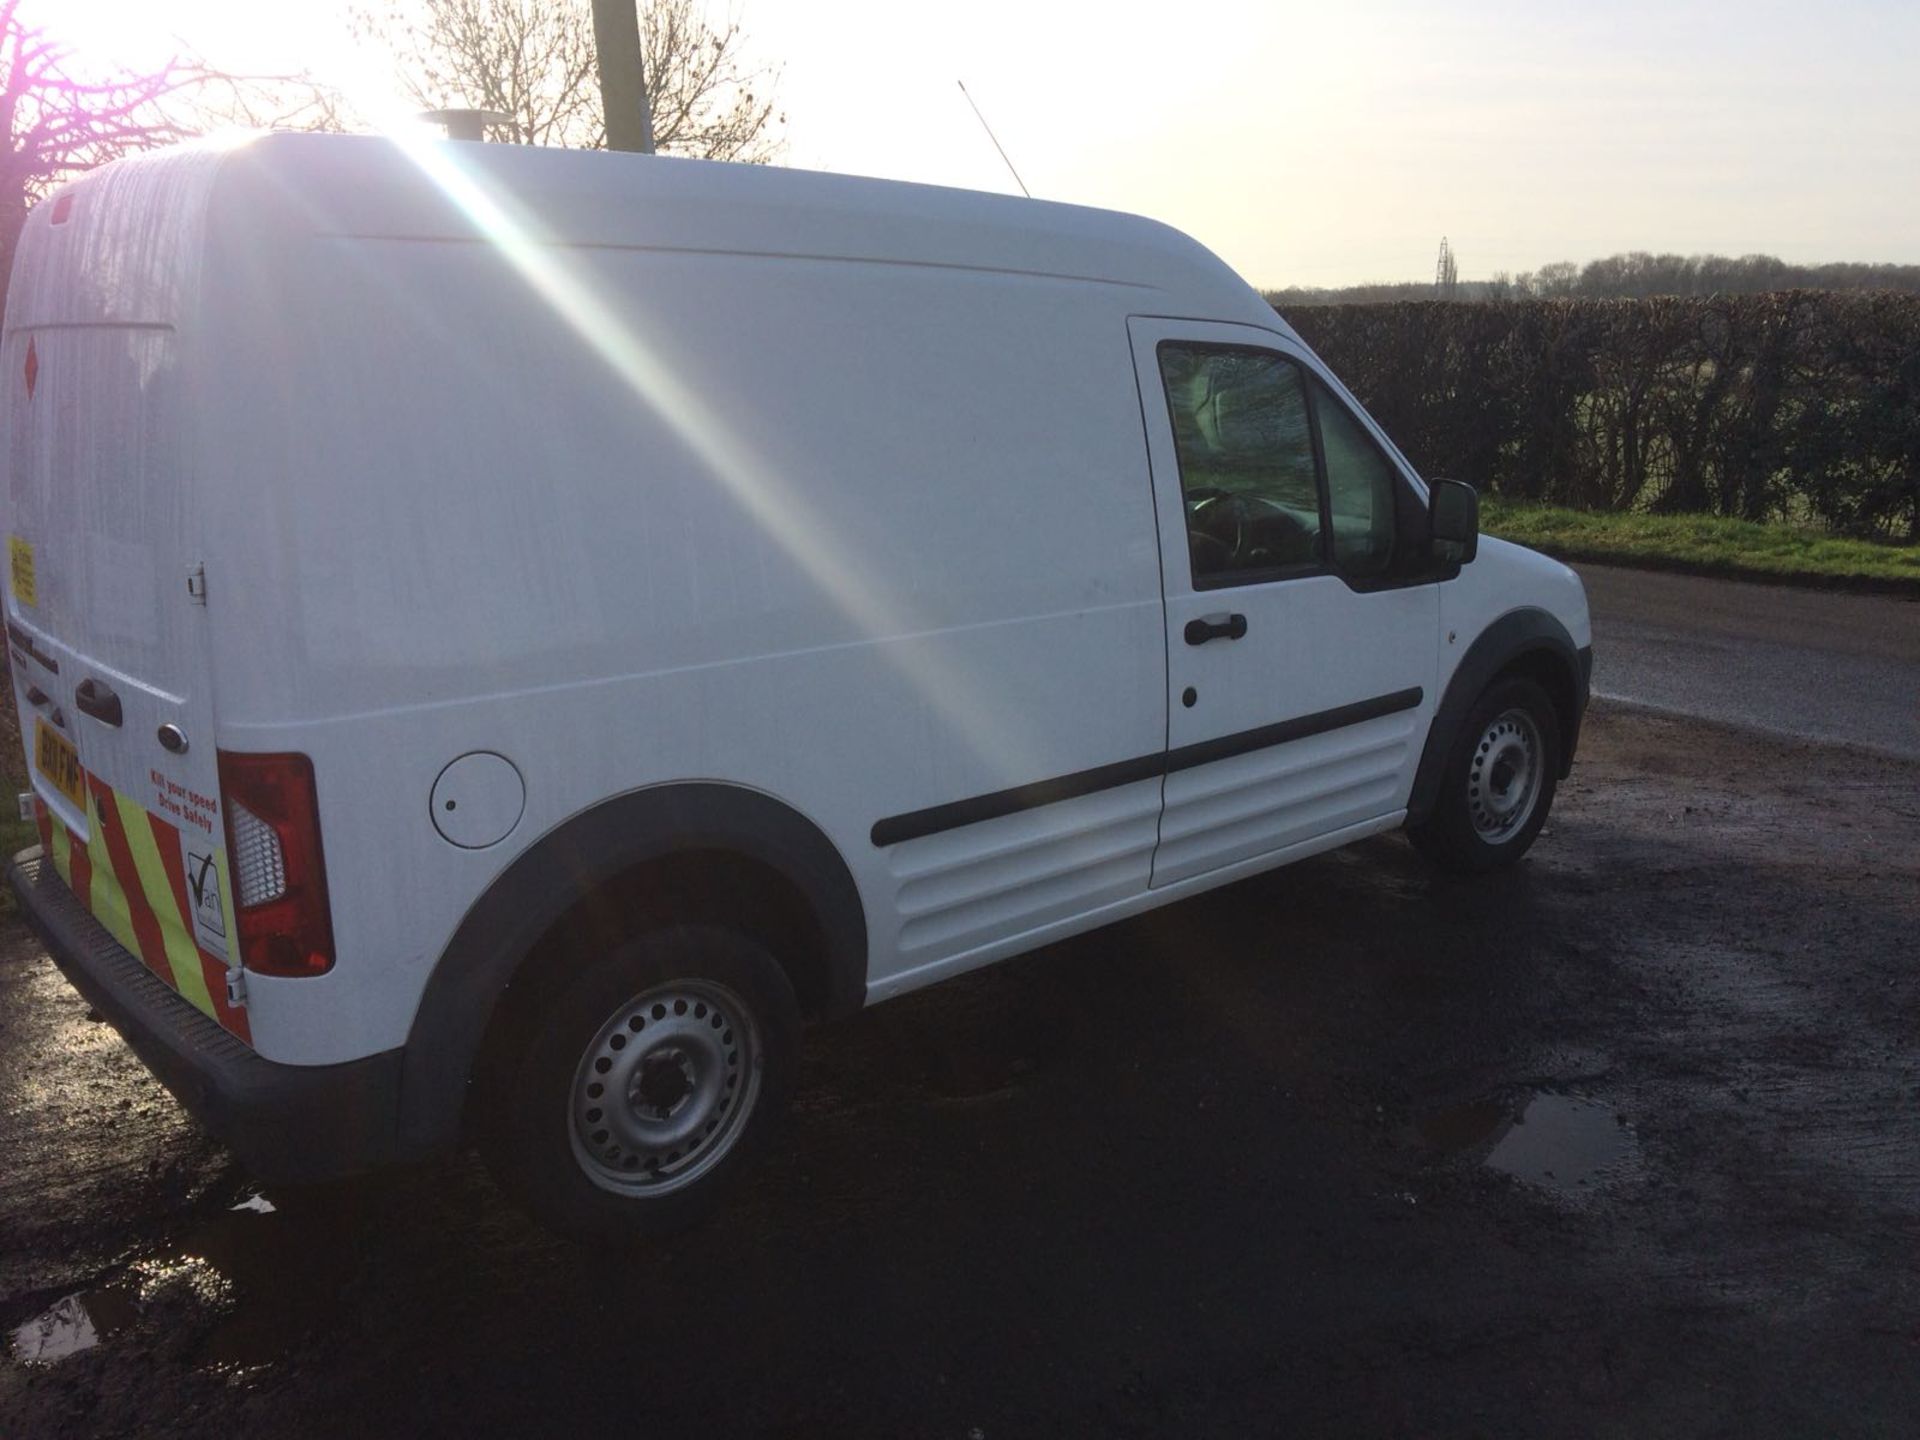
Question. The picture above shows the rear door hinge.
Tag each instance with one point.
(236, 987)
(197, 585)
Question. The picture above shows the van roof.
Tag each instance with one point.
(375, 186)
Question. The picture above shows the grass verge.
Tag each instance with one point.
(1708, 545)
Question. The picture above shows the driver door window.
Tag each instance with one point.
(1244, 439)
(1360, 492)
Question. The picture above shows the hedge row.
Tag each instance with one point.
(1802, 404)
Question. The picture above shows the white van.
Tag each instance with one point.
(503, 636)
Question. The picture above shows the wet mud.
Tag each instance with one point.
(1626, 1141)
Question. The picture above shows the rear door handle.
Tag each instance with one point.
(99, 701)
(1215, 627)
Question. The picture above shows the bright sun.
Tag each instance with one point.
(110, 32)
(251, 36)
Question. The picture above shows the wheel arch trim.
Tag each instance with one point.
(1514, 637)
(542, 884)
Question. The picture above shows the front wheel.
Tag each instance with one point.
(1499, 781)
(646, 1086)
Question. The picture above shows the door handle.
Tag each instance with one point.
(1215, 627)
(99, 701)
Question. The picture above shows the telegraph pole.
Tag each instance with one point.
(623, 78)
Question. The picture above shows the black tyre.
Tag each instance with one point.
(644, 1088)
(1498, 783)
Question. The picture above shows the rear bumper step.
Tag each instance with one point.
(287, 1123)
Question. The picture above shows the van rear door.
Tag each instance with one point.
(106, 619)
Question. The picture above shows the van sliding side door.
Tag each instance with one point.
(1301, 669)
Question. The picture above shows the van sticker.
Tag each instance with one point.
(203, 887)
(132, 872)
(20, 568)
(182, 803)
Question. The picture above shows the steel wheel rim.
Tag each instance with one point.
(664, 1088)
(1503, 777)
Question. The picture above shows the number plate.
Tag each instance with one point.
(55, 758)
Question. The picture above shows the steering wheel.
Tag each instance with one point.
(1201, 502)
(1284, 540)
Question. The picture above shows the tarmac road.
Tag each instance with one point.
(1618, 1143)
(1810, 663)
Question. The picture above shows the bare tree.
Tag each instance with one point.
(59, 118)
(220, 101)
(1560, 279)
(56, 121)
(535, 60)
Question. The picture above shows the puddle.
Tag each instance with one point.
(1560, 1143)
(75, 1324)
(249, 1280)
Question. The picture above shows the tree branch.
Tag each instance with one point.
(535, 60)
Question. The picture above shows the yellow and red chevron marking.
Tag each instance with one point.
(130, 875)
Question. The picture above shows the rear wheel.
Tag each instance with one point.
(646, 1086)
(1499, 781)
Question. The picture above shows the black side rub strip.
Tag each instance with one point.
(1205, 752)
(917, 824)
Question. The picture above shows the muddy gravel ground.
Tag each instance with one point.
(1625, 1142)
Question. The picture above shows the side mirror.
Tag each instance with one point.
(1453, 517)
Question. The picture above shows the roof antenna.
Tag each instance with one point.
(996, 141)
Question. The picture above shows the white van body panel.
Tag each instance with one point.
(1502, 579)
(973, 605)
(907, 981)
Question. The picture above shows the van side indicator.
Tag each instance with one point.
(918, 824)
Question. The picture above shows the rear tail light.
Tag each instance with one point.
(273, 856)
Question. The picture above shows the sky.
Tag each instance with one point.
(1308, 144)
